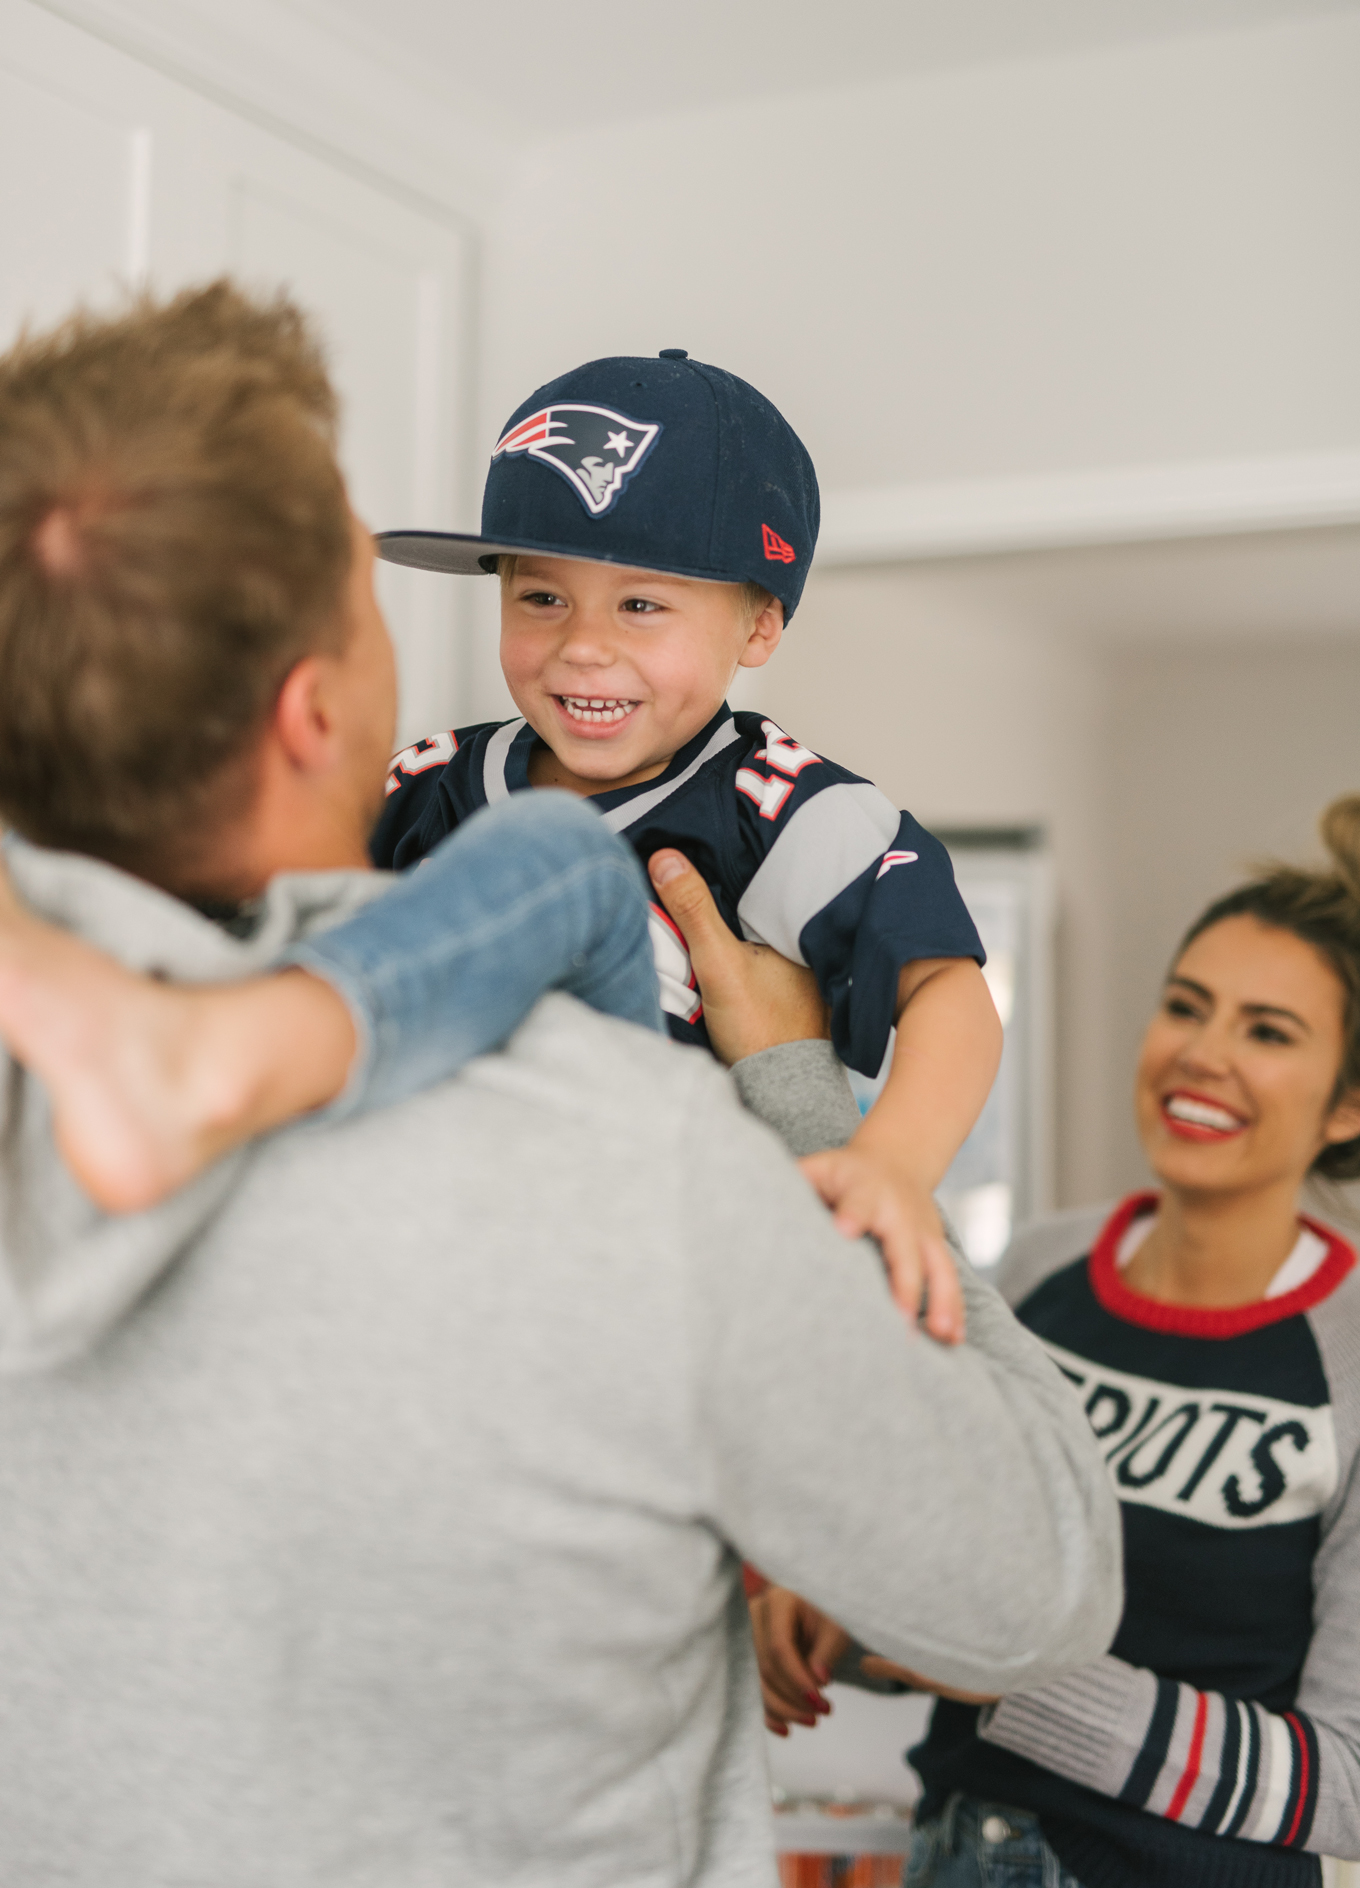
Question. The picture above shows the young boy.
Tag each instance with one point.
(652, 523)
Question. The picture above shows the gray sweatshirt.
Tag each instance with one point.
(372, 1511)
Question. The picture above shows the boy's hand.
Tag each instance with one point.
(867, 1195)
(797, 1648)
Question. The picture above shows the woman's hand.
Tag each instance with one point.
(753, 997)
(797, 1648)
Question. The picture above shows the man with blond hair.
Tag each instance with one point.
(373, 1508)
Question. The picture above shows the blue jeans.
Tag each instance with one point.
(533, 894)
(983, 1845)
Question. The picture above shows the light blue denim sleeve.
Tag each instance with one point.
(531, 895)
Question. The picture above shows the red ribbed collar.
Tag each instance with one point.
(1193, 1321)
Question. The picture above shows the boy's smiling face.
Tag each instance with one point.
(615, 669)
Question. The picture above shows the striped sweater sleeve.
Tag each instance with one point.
(1209, 1762)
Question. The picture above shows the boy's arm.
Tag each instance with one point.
(946, 1058)
(947, 1054)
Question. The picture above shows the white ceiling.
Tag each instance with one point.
(453, 97)
(535, 69)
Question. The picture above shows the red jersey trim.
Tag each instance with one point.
(1300, 1774)
(1192, 1321)
(1190, 1774)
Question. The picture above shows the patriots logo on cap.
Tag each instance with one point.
(594, 449)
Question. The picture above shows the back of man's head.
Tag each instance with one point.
(174, 537)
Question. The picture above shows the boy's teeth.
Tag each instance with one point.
(1202, 1114)
(595, 707)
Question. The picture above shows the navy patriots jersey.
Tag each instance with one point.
(799, 853)
(1231, 1447)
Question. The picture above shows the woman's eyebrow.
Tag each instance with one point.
(1274, 1009)
(1248, 1009)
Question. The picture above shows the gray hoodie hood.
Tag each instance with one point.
(69, 1272)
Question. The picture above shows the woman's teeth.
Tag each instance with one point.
(1202, 1114)
(593, 708)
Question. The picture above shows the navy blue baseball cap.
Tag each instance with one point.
(663, 464)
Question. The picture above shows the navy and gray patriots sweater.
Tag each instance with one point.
(799, 853)
(1217, 1745)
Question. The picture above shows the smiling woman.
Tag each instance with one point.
(1250, 1077)
(1213, 1335)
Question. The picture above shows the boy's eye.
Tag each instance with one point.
(541, 599)
(639, 606)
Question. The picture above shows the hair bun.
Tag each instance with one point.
(1340, 828)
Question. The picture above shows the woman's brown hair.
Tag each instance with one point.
(1322, 908)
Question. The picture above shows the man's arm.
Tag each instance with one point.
(759, 1005)
(949, 1507)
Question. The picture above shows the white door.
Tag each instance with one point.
(110, 171)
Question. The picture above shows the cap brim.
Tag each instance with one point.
(463, 555)
(455, 551)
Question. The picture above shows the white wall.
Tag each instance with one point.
(1220, 757)
(1138, 255)
(112, 173)
(971, 718)
(1169, 714)
(1141, 257)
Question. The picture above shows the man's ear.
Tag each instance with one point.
(304, 720)
(764, 637)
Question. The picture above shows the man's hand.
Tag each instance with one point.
(797, 1648)
(753, 997)
(866, 1195)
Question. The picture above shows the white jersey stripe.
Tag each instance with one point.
(1216, 1712)
(493, 762)
(1174, 1763)
(828, 841)
(1243, 1737)
(1279, 1743)
(620, 818)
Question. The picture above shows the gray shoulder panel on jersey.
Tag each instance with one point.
(1335, 1325)
(1044, 1246)
(828, 842)
(620, 818)
(494, 759)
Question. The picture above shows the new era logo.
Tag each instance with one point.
(776, 550)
